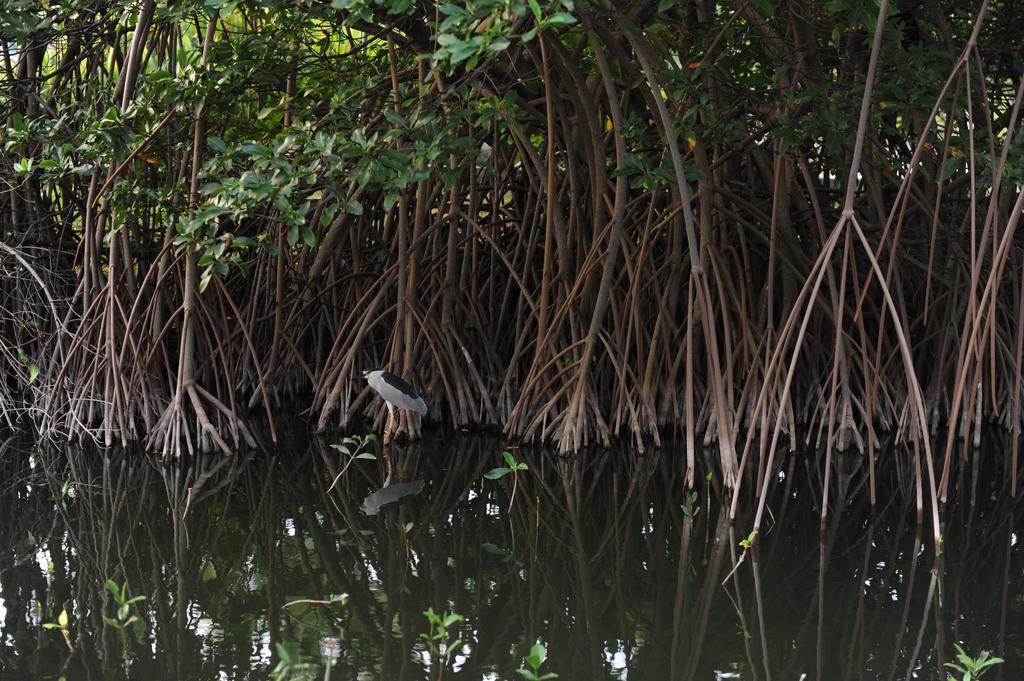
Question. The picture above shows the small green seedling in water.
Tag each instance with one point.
(690, 508)
(513, 467)
(359, 442)
(62, 625)
(745, 544)
(538, 654)
(969, 667)
(437, 638)
(353, 447)
(124, 617)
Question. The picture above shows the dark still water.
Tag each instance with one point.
(239, 558)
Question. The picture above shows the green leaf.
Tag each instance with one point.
(308, 237)
(204, 281)
(394, 117)
(367, 455)
(453, 10)
(285, 145)
(210, 211)
(496, 473)
(62, 619)
(462, 52)
(561, 18)
(537, 655)
(328, 214)
(535, 7)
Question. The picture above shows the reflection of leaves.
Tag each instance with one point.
(289, 663)
(506, 556)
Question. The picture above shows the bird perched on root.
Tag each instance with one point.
(396, 393)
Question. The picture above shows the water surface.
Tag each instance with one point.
(596, 557)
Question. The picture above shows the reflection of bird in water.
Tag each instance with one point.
(397, 394)
(390, 494)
